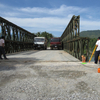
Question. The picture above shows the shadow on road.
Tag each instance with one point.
(13, 62)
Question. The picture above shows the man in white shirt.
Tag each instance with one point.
(2, 44)
(97, 52)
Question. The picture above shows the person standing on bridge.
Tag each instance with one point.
(2, 44)
(97, 52)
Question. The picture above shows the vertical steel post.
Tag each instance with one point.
(72, 42)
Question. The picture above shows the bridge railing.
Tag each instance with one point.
(72, 43)
(16, 38)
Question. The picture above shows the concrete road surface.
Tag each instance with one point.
(48, 75)
(44, 55)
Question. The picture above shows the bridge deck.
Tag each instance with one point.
(48, 75)
(44, 55)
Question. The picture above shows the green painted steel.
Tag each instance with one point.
(16, 38)
(72, 43)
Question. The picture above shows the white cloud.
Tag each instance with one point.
(48, 23)
(90, 17)
(49, 19)
(89, 25)
(62, 11)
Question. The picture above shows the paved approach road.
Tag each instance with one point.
(48, 75)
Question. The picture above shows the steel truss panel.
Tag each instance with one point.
(16, 38)
(72, 43)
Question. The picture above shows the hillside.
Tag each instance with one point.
(90, 33)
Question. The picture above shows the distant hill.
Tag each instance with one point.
(90, 33)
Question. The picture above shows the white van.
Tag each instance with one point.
(40, 43)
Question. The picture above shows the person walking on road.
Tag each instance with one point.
(2, 44)
(97, 52)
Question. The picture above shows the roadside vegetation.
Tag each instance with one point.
(93, 35)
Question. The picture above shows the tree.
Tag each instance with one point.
(38, 34)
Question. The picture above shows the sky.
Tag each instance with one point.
(51, 16)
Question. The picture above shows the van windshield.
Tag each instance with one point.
(39, 39)
(55, 40)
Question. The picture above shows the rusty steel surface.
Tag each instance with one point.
(16, 38)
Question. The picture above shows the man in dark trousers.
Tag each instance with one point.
(97, 52)
(2, 44)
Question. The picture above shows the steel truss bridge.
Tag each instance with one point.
(72, 42)
(18, 39)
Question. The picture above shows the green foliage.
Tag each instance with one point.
(90, 34)
(38, 34)
(46, 35)
(92, 43)
(93, 35)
